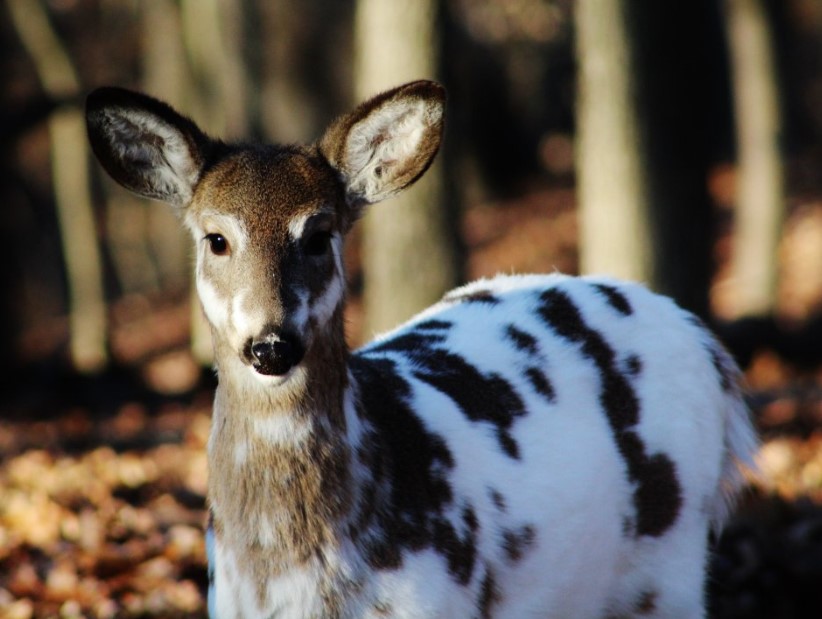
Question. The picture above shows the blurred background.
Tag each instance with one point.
(679, 144)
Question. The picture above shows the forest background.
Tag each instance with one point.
(679, 144)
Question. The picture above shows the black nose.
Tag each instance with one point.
(275, 356)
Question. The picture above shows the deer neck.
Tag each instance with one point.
(279, 482)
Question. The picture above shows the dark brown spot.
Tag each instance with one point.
(723, 363)
(646, 604)
(509, 446)
(522, 340)
(497, 499)
(412, 342)
(414, 462)
(657, 494)
(633, 365)
(615, 298)
(459, 550)
(210, 528)
(516, 542)
(433, 325)
(489, 595)
(476, 296)
(469, 517)
(628, 528)
(723, 368)
(481, 397)
(540, 383)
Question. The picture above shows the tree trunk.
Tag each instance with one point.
(70, 177)
(409, 256)
(288, 111)
(611, 179)
(680, 71)
(305, 70)
(760, 183)
(646, 102)
(212, 32)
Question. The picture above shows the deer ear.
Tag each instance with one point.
(145, 145)
(387, 142)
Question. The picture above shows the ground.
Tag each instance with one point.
(103, 479)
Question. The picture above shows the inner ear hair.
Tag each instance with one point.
(145, 145)
(388, 142)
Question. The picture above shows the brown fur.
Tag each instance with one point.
(297, 494)
(274, 506)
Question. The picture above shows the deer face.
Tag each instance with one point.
(268, 221)
(268, 227)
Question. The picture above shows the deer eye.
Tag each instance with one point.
(218, 244)
(317, 243)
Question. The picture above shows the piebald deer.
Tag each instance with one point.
(530, 446)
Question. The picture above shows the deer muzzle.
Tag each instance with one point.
(274, 354)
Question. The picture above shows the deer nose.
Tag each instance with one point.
(275, 355)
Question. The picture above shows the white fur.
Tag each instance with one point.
(223, 312)
(297, 225)
(570, 478)
(216, 308)
(277, 430)
(241, 320)
(322, 309)
(570, 482)
(543, 503)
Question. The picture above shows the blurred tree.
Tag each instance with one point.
(128, 216)
(70, 177)
(165, 73)
(760, 200)
(611, 170)
(650, 77)
(288, 111)
(409, 255)
(304, 68)
(682, 85)
(213, 35)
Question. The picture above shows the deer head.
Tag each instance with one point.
(268, 221)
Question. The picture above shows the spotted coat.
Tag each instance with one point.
(530, 446)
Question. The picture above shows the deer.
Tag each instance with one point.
(537, 445)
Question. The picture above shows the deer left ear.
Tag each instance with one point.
(387, 143)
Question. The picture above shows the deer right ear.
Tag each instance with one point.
(387, 143)
(145, 145)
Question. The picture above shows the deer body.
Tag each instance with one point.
(530, 446)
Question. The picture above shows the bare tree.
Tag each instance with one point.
(760, 177)
(648, 76)
(128, 216)
(212, 32)
(611, 171)
(70, 177)
(409, 257)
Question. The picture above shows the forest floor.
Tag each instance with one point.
(103, 479)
